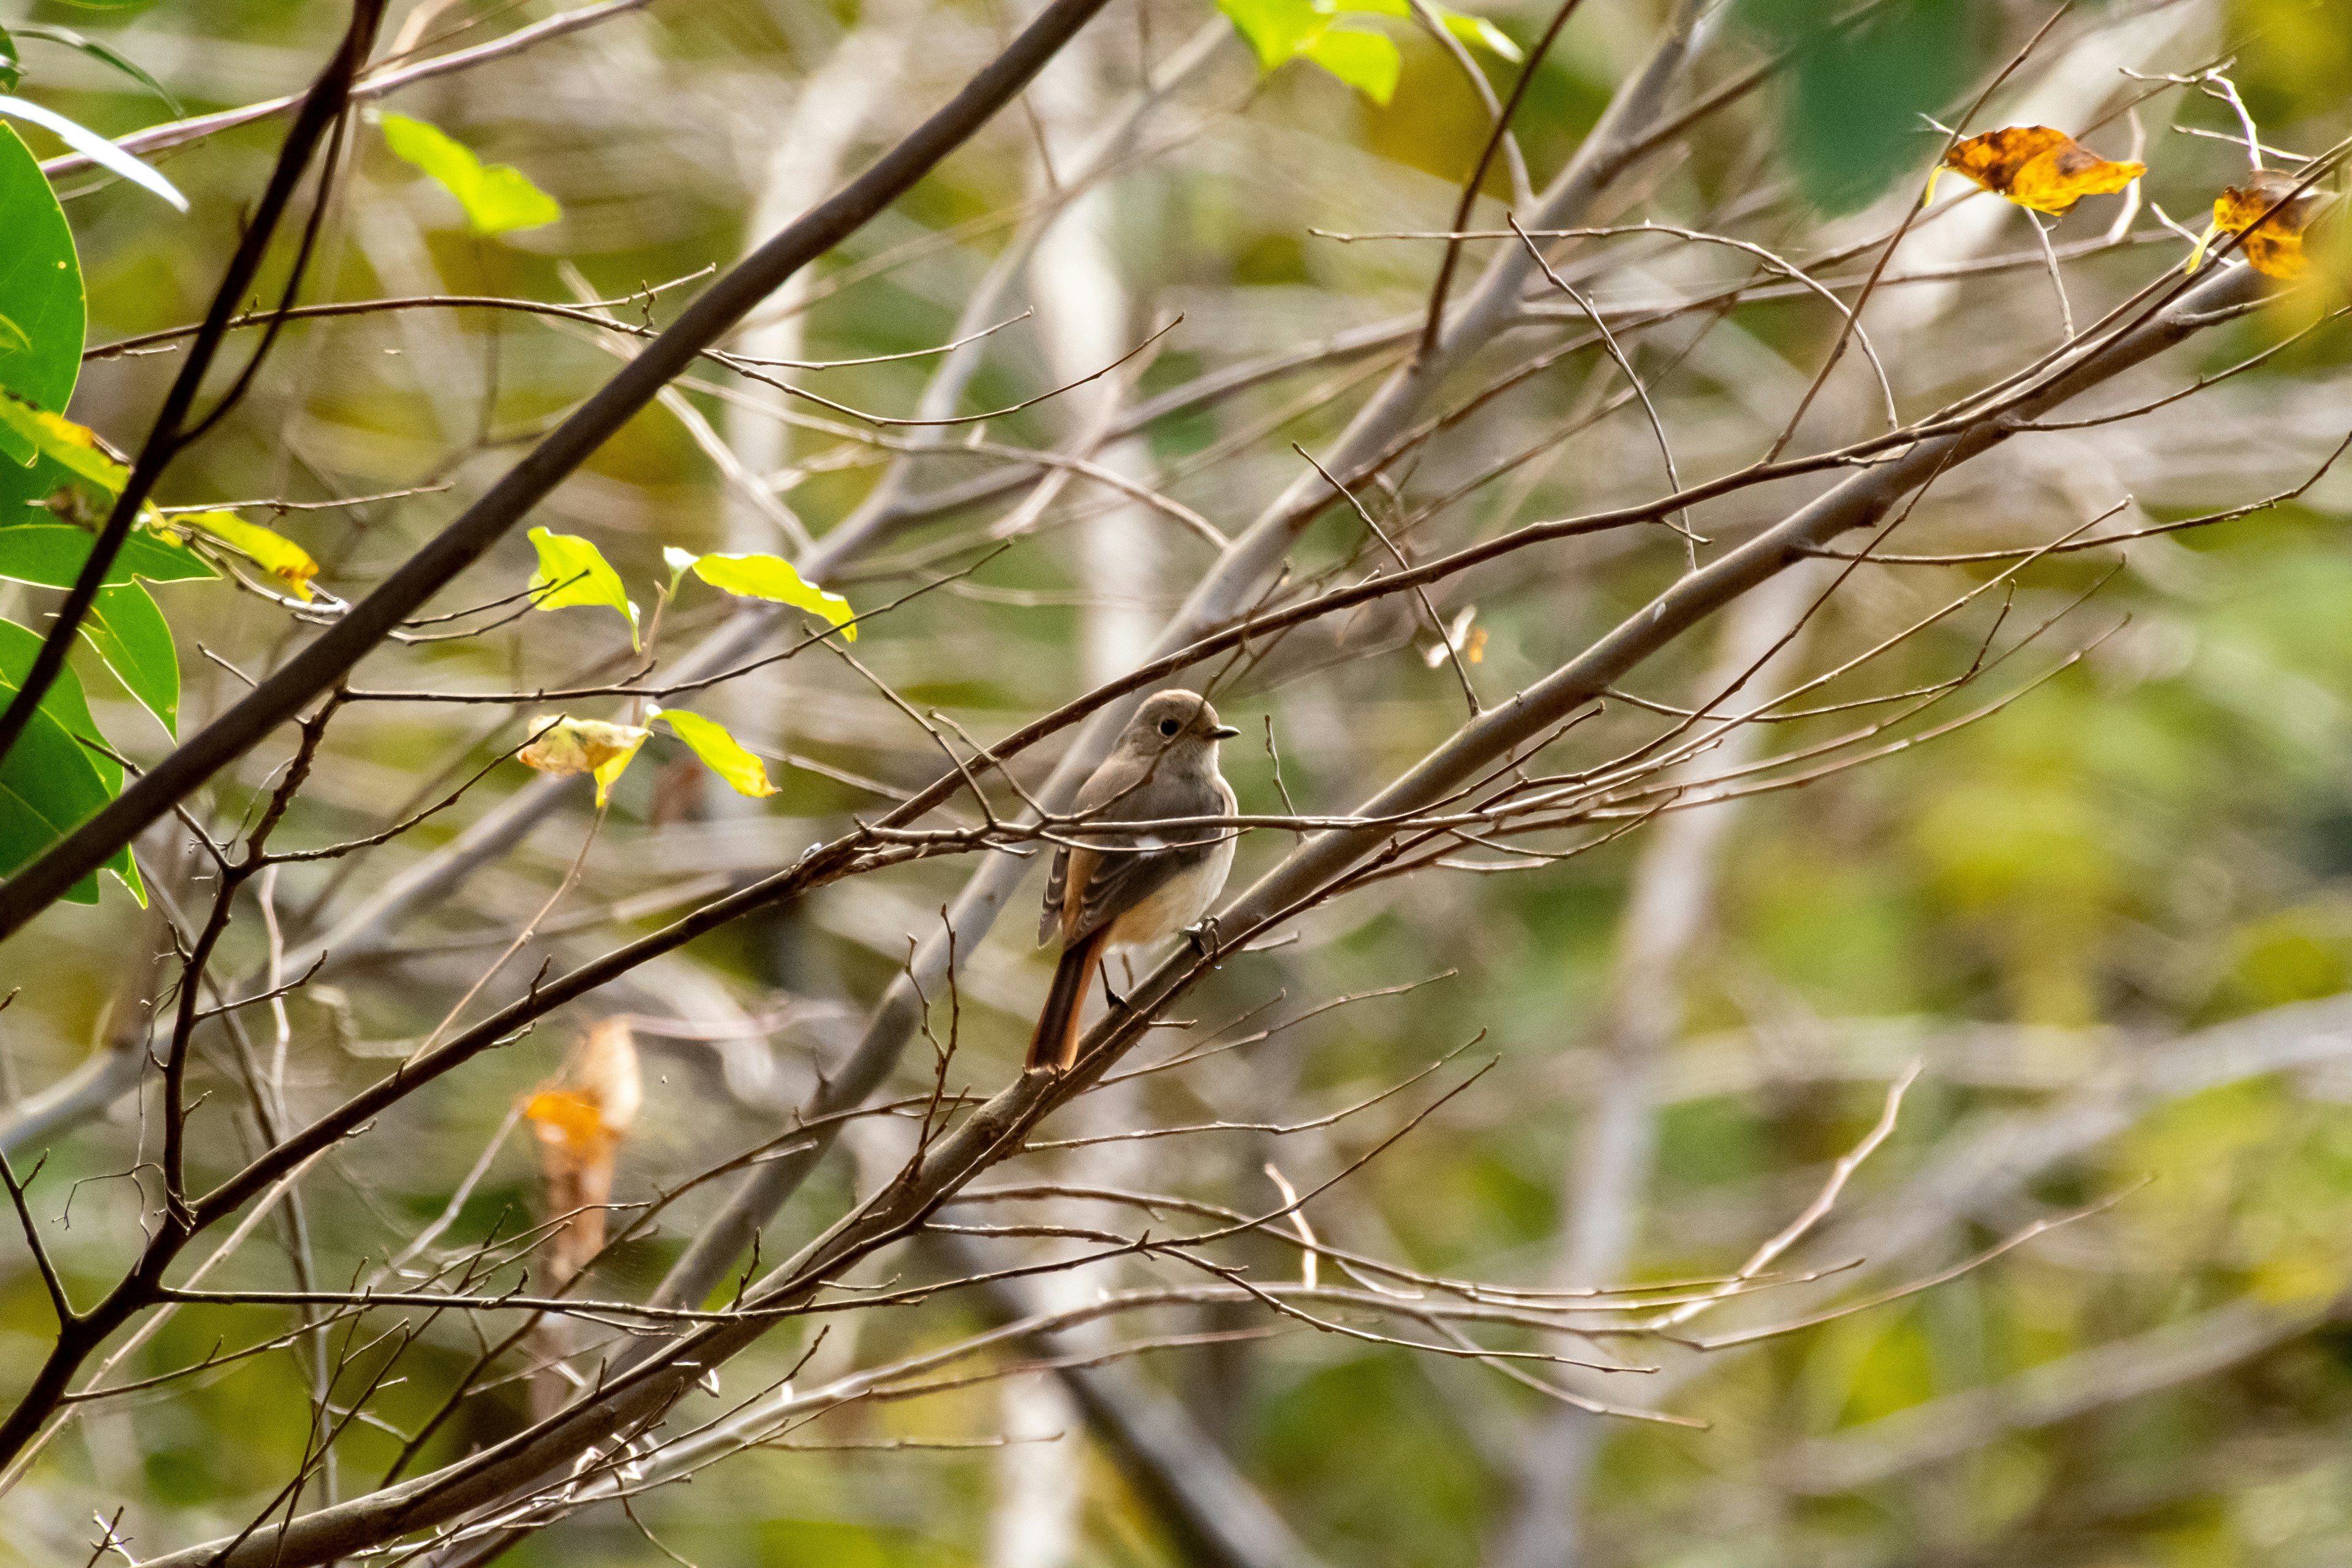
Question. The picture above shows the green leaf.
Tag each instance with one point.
(1277, 29)
(40, 283)
(720, 751)
(93, 146)
(72, 447)
(1852, 96)
(575, 571)
(1480, 33)
(269, 549)
(771, 577)
(1369, 62)
(1283, 30)
(106, 54)
(497, 198)
(50, 781)
(679, 562)
(51, 554)
(130, 634)
(9, 60)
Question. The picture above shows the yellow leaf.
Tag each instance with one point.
(497, 196)
(2038, 167)
(563, 745)
(2273, 245)
(720, 751)
(76, 447)
(573, 572)
(271, 551)
(771, 577)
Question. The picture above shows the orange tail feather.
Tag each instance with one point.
(1054, 1045)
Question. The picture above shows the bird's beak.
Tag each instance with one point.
(1224, 732)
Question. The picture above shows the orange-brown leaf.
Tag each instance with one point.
(580, 1120)
(2272, 242)
(2038, 167)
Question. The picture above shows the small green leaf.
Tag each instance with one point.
(1277, 29)
(51, 554)
(771, 577)
(679, 562)
(1369, 62)
(271, 551)
(130, 634)
(50, 781)
(106, 54)
(498, 199)
(573, 572)
(9, 58)
(720, 751)
(1480, 33)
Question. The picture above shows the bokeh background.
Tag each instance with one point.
(2112, 919)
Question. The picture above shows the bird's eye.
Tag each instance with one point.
(1168, 726)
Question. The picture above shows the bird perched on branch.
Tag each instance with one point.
(1133, 886)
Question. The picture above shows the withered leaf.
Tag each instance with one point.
(2273, 243)
(562, 745)
(2038, 167)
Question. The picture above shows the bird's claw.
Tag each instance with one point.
(1204, 937)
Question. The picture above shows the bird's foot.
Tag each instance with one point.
(1204, 937)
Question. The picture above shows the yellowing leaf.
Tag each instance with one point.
(771, 577)
(563, 745)
(271, 551)
(2038, 167)
(573, 572)
(497, 198)
(2273, 245)
(77, 446)
(720, 751)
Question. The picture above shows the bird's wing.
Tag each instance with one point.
(1049, 924)
(1128, 868)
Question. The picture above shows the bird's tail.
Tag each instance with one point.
(1054, 1045)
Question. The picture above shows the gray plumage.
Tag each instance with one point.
(1128, 889)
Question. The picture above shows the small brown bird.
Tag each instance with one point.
(1129, 889)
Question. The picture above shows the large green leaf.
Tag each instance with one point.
(1854, 96)
(498, 197)
(129, 632)
(46, 787)
(51, 553)
(42, 313)
(50, 781)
